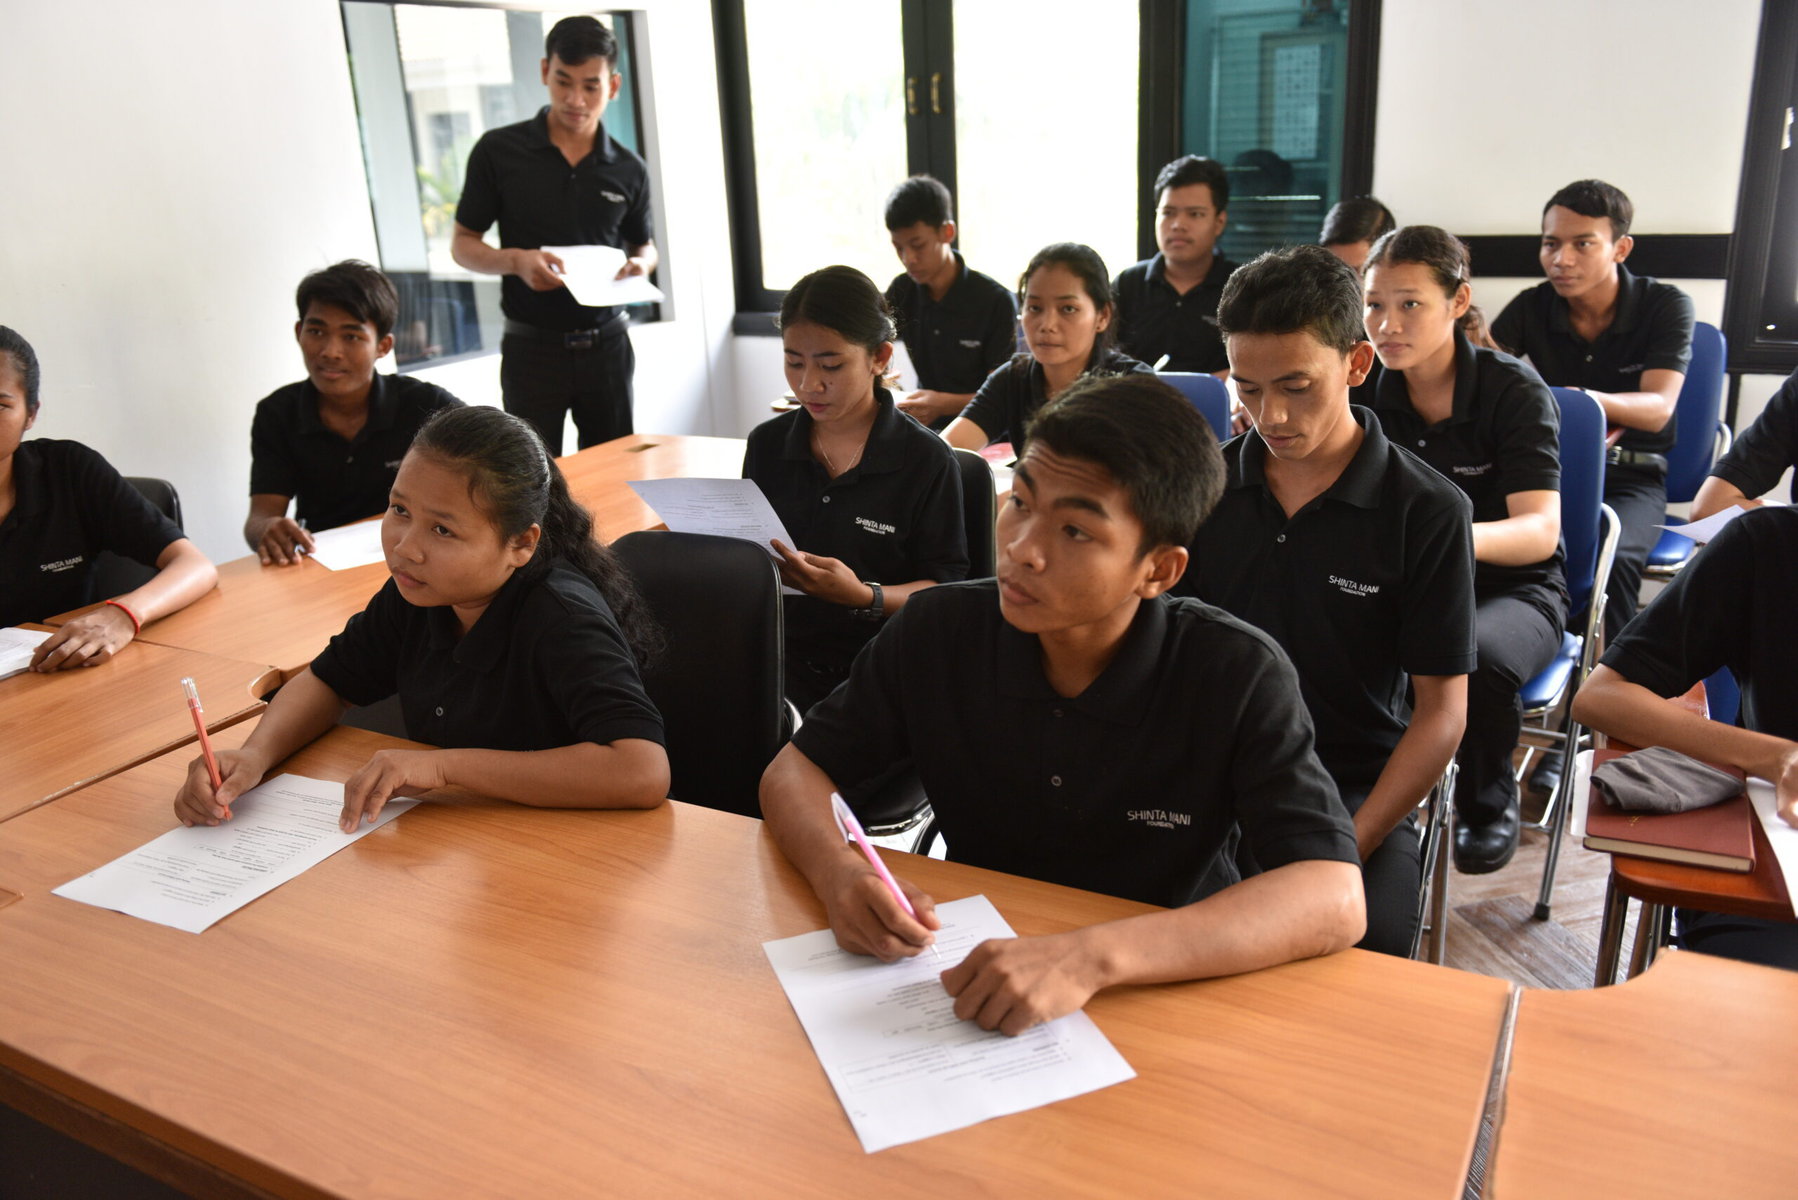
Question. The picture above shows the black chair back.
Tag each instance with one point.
(718, 682)
(114, 574)
(980, 511)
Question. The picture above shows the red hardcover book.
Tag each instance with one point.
(1721, 836)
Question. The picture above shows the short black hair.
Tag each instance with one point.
(1151, 440)
(24, 360)
(1361, 219)
(1194, 168)
(1296, 289)
(920, 198)
(356, 288)
(575, 40)
(1596, 198)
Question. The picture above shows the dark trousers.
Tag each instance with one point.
(1639, 498)
(543, 381)
(1392, 878)
(1517, 639)
(1750, 939)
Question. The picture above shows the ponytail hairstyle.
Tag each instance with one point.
(844, 301)
(24, 361)
(512, 478)
(1447, 258)
(1089, 268)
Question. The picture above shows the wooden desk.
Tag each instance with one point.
(488, 999)
(1678, 1083)
(66, 730)
(597, 475)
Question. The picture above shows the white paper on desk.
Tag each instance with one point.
(16, 648)
(590, 273)
(725, 507)
(349, 546)
(191, 877)
(1703, 531)
(1782, 837)
(903, 1067)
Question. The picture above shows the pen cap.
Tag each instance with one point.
(193, 693)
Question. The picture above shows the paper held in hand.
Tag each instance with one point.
(902, 1065)
(590, 273)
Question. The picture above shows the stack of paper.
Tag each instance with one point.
(16, 648)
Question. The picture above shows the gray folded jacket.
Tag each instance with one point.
(1663, 781)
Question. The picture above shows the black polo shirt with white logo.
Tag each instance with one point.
(1503, 436)
(1731, 606)
(1767, 448)
(1368, 584)
(1130, 788)
(545, 666)
(1011, 395)
(1155, 318)
(517, 177)
(70, 505)
(1652, 331)
(956, 342)
(894, 517)
(333, 481)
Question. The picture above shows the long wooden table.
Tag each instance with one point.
(286, 614)
(485, 999)
(68, 729)
(1676, 1084)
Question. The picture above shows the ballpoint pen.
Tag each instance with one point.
(852, 830)
(199, 715)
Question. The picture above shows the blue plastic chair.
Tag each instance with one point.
(1722, 696)
(1589, 529)
(1208, 394)
(1701, 437)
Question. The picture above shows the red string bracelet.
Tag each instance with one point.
(137, 626)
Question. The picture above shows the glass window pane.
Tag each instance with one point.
(828, 110)
(1045, 137)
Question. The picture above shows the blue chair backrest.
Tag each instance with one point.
(1695, 419)
(1582, 492)
(1722, 696)
(1208, 394)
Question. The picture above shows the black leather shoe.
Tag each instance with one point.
(1482, 849)
(1547, 775)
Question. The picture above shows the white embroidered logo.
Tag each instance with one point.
(1472, 470)
(61, 564)
(614, 197)
(1159, 818)
(971, 343)
(1350, 587)
(875, 526)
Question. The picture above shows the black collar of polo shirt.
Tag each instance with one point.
(1630, 290)
(482, 647)
(537, 137)
(884, 450)
(1362, 482)
(383, 406)
(1122, 692)
(1157, 272)
(1392, 392)
(961, 276)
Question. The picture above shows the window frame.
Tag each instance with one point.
(1757, 291)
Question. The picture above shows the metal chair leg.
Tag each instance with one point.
(1610, 935)
(1648, 937)
(1561, 802)
(1442, 871)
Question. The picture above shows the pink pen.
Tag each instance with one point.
(852, 829)
(193, 706)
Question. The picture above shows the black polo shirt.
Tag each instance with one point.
(1157, 319)
(1366, 585)
(1652, 331)
(956, 342)
(1504, 436)
(517, 177)
(545, 666)
(1011, 395)
(1131, 788)
(1763, 451)
(893, 517)
(70, 505)
(333, 481)
(1731, 606)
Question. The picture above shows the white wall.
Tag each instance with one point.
(154, 223)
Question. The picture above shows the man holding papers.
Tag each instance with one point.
(1072, 722)
(559, 179)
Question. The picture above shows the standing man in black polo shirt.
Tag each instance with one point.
(559, 179)
(1072, 722)
(332, 443)
(1353, 554)
(1623, 339)
(957, 324)
(1167, 305)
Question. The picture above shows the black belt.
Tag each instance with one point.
(568, 339)
(1617, 456)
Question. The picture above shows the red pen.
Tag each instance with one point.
(193, 706)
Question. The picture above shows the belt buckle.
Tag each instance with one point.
(580, 339)
(1613, 455)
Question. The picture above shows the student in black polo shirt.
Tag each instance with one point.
(1068, 320)
(957, 324)
(332, 442)
(61, 504)
(1762, 453)
(509, 633)
(559, 179)
(1352, 226)
(1353, 554)
(1488, 424)
(1623, 339)
(871, 498)
(1730, 607)
(1074, 723)
(1167, 305)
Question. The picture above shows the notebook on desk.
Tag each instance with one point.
(1721, 836)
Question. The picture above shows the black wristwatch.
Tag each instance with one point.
(877, 607)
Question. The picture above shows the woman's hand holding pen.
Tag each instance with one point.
(388, 774)
(868, 920)
(198, 804)
(829, 579)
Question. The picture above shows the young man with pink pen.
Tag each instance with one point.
(1072, 722)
